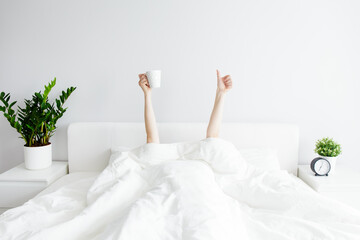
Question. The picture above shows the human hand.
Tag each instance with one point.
(224, 84)
(144, 83)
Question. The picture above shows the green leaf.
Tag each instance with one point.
(18, 127)
(30, 127)
(11, 112)
(58, 103)
(12, 104)
(43, 106)
(4, 102)
(48, 89)
(38, 95)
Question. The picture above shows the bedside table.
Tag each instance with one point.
(19, 184)
(343, 185)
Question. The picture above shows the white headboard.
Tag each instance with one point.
(89, 143)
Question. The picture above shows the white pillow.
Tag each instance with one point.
(154, 153)
(222, 156)
(119, 149)
(262, 158)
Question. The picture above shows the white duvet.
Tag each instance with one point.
(201, 190)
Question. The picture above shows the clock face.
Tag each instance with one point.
(322, 167)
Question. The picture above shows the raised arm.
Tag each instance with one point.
(224, 84)
(150, 121)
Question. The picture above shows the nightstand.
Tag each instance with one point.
(19, 184)
(343, 185)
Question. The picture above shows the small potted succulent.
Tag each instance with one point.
(329, 149)
(36, 123)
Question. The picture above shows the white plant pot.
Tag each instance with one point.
(38, 157)
(332, 161)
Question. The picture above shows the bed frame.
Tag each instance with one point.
(89, 144)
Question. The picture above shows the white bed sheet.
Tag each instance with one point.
(203, 190)
(62, 200)
(88, 177)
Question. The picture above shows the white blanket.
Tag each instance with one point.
(201, 190)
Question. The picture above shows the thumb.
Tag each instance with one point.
(218, 74)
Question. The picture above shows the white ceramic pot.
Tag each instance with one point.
(332, 161)
(38, 157)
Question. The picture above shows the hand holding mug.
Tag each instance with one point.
(144, 83)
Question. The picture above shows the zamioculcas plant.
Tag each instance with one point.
(36, 121)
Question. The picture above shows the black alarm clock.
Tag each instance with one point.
(320, 166)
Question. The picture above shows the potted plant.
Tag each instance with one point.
(329, 149)
(36, 123)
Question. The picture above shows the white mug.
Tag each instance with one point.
(154, 78)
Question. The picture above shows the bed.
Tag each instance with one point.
(197, 190)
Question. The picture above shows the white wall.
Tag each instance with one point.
(291, 61)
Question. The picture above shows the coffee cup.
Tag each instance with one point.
(154, 78)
